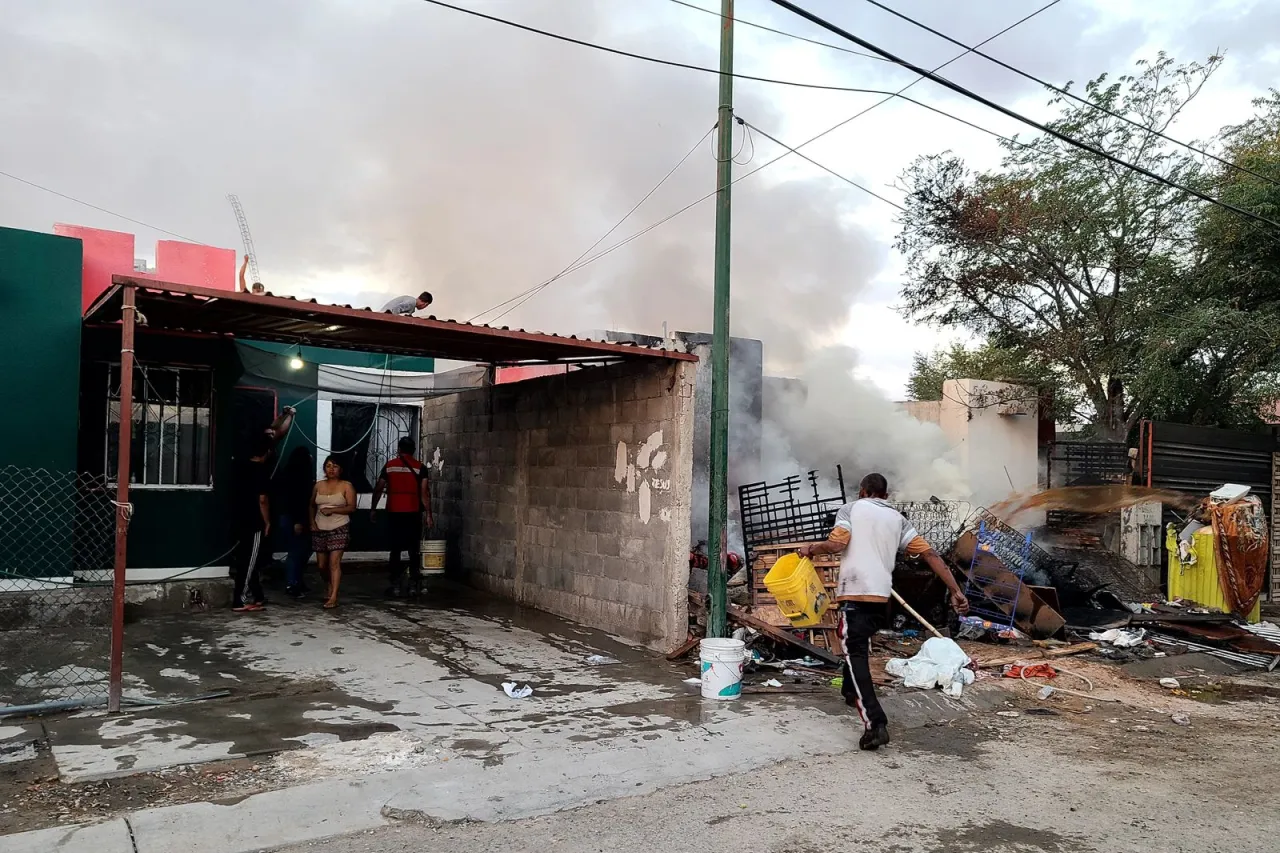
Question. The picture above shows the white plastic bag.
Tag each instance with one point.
(939, 663)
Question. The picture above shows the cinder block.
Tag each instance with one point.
(607, 546)
(631, 411)
(658, 409)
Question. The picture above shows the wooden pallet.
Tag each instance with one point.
(764, 605)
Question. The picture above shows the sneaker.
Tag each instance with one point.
(874, 738)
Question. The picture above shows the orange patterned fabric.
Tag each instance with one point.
(1240, 541)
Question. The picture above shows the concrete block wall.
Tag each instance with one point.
(570, 493)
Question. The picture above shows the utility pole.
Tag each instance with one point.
(718, 511)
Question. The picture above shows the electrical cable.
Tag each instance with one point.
(1043, 128)
(1065, 92)
(826, 169)
(572, 265)
(812, 139)
(797, 37)
(643, 57)
(372, 423)
(99, 209)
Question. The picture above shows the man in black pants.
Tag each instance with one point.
(251, 517)
(868, 535)
(404, 480)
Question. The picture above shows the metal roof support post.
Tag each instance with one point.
(123, 507)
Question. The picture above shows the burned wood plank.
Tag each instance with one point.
(746, 620)
(684, 648)
(1037, 654)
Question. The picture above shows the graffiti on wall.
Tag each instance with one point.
(643, 473)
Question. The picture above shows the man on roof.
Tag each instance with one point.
(411, 306)
(258, 289)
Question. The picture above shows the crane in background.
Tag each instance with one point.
(245, 237)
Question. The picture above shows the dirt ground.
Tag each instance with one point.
(1191, 729)
(1063, 775)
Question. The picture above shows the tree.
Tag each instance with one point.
(992, 363)
(1084, 264)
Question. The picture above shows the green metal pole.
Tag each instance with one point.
(717, 512)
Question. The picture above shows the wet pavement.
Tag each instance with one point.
(395, 710)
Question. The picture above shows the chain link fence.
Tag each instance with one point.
(57, 545)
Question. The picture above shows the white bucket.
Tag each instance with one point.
(433, 551)
(722, 662)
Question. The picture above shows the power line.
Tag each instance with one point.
(641, 56)
(1057, 134)
(526, 295)
(1064, 92)
(826, 169)
(812, 139)
(100, 209)
(826, 44)
(533, 291)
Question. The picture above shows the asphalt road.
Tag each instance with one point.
(1110, 781)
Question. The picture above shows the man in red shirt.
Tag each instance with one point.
(404, 480)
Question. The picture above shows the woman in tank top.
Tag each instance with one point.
(333, 499)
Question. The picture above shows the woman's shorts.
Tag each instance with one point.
(327, 541)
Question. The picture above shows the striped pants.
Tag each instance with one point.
(858, 623)
(246, 572)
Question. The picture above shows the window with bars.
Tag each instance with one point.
(172, 444)
(368, 434)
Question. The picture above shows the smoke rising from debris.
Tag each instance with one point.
(827, 417)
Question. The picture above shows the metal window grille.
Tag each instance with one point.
(172, 442)
(370, 448)
(57, 540)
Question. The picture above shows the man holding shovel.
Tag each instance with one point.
(868, 535)
(404, 480)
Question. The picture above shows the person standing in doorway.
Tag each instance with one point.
(333, 499)
(868, 535)
(404, 480)
(251, 517)
(290, 499)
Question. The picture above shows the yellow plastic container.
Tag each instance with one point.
(1198, 582)
(794, 582)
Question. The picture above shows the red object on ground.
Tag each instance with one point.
(1039, 670)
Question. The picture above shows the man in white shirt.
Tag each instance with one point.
(868, 535)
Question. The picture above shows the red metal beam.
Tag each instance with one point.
(123, 507)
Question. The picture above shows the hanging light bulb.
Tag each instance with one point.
(295, 361)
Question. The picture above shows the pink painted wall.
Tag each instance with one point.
(191, 263)
(505, 375)
(108, 253)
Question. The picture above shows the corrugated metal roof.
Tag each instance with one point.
(284, 319)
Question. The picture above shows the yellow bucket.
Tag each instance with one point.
(801, 596)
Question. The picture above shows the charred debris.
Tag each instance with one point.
(1065, 598)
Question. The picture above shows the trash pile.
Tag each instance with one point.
(1040, 603)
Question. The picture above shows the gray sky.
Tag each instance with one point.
(387, 146)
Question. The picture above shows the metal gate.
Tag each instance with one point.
(1197, 460)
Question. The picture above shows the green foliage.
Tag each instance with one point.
(1132, 298)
